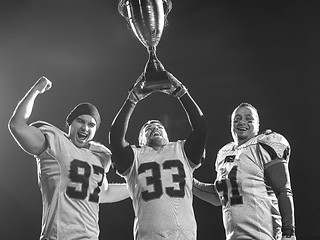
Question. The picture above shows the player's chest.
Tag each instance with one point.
(81, 165)
(82, 156)
(240, 164)
(84, 179)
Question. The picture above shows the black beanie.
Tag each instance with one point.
(82, 109)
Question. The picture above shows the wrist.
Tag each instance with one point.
(288, 232)
(180, 91)
(133, 98)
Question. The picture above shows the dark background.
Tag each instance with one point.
(225, 52)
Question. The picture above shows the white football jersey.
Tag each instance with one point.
(160, 184)
(70, 179)
(249, 206)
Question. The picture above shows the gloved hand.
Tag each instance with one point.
(137, 91)
(177, 89)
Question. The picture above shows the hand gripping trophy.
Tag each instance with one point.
(147, 19)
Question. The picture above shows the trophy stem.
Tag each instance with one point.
(155, 73)
(153, 63)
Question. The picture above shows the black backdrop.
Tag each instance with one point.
(225, 52)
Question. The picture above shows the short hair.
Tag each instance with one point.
(142, 139)
(245, 104)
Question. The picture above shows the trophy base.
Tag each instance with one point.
(157, 81)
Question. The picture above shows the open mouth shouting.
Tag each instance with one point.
(82, 136)
(156, 133)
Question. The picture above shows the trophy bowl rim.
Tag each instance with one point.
(123, 3)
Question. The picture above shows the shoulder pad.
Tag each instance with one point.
(47, 128)
(268, 131)
(272, 137)
(275, 144)
(98, 147)
(227, 147)
(39, 124)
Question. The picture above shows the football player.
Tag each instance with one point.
(159, 172)
(253, 182)
(71, 167)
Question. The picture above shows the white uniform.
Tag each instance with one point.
(160, 184)
(249, 206)
(70, 179)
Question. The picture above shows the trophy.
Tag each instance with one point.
(147, 19)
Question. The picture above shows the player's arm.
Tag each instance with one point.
(278, 176)
(116, 192)
(196, 141)
(29, 138)
(206, 192)
(122, 153)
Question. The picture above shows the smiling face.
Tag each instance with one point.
(82, 130)
(153, 134)
(244, 123)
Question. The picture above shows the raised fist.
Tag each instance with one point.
(43, 84)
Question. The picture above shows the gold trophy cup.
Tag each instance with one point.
(147, 19)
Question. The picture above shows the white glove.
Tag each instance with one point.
(177, 89)
(137, 91)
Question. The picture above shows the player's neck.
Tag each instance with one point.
(157, 145)
(240, 142)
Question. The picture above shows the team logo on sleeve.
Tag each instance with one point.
(229, 158)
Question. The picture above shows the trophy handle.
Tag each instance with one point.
(121, 5)
(124, 3)
(168, 7)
